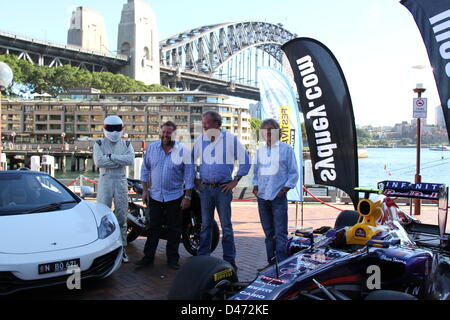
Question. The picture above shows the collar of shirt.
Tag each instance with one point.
(176, 145)
(216, 140)
(276, 144)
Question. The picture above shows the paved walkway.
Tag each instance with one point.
(154, 283)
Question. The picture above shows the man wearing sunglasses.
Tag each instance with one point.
(112, 155)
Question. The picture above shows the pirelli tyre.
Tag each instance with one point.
(389, 295)
(198, 278)
(346, 218)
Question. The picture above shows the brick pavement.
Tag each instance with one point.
(129, 283)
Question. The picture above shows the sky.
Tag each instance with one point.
(375, 41)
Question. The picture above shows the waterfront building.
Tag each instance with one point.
(76, 118)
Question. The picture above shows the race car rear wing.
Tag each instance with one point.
(429, 191)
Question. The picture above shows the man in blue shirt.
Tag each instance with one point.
(166, 170)
(216, 152)
(275, 173)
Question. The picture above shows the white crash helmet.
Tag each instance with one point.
(113, 128)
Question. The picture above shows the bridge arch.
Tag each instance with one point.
(230, 51)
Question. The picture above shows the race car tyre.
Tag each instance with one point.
(389, 295)
(191, 238)
(346, 218)
(198, 276)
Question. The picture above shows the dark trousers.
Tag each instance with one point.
(160, 213)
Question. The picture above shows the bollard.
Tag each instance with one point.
(48, 165)
(309, 176)
(137, 168)
(2, 161)
(35, 163)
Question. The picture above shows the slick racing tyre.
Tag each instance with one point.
(198, 277)
(346, 218)
(389, 295)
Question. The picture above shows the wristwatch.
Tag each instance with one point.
(237, 178)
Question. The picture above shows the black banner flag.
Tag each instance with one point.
(328, 112)
(433, 20)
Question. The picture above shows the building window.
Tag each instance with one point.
(82, 118)
(56, 108)
(55, 117)
(138, 118)
(41, 127)
(82, 127)
(84, 108)
(97, 118)
(125, 108)
(196, 110)
(138, 128)
(55, 127)
(41, 117)
(96, 127)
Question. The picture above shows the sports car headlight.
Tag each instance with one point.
(106, 227)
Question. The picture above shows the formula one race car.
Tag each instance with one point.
(379, 252)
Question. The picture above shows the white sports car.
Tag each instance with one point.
(45, 229)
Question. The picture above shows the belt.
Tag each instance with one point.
(217, 184)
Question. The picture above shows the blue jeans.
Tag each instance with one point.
(211, 198)
(274, 221)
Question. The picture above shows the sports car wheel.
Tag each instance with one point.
(202, 278)
(346, 218)
(389, 295)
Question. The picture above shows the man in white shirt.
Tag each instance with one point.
(275, 173)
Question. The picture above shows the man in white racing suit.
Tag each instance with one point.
(112, 155)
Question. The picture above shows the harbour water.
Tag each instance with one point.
(400, 164)
(381, 164)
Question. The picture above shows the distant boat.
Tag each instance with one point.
(362, 153)
(440, 148)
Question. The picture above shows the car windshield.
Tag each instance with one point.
(26, 192)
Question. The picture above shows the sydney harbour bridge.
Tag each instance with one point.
(220, 58)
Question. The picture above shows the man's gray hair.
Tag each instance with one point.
(214, 115)
(270, 122)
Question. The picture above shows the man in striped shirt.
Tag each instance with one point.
(168, 175)
(217, 151)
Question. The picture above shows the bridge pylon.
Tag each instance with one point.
(138, 39)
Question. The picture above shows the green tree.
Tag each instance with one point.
(41, 79)
(255, 125)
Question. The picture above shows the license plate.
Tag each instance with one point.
(58, 266)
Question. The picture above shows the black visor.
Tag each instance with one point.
(113, 127)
